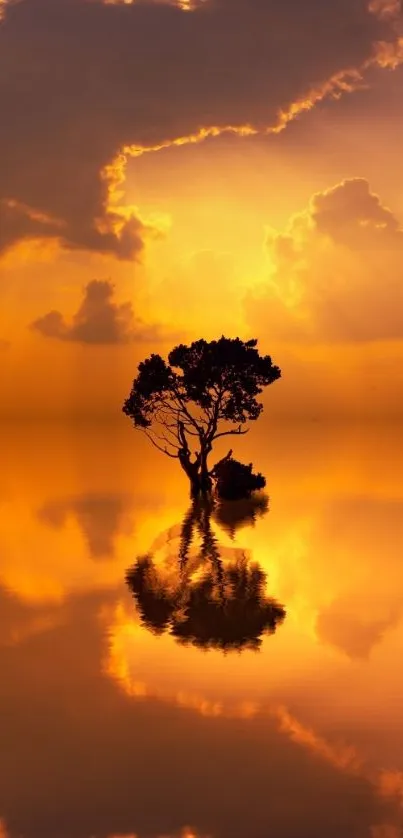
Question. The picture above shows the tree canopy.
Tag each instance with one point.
(199, 396)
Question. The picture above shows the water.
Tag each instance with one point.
(109, 729)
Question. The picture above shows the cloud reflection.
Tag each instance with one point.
(101, 517)
(83, 726)
(351, 633)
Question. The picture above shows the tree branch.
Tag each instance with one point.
(185, 410)
(173, 433)
(159, 447)
(163, 438)
(178, 408)
(188, 429)
(212, 425)
(238, 432)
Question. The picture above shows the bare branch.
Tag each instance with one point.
(213, 422)
(165, 413)
(189, 431)
(184, 409)
(179, 408)
(175, 404)
(163, 438)
(159, 447)
(164, 416)
(238, 432)
(172, 433)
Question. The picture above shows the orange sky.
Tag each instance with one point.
(288, 227)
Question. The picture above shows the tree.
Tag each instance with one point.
(198, 397)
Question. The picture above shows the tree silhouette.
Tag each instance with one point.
(213, 604)
(235, 480)
(204, 391)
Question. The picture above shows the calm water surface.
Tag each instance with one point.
(145, 712)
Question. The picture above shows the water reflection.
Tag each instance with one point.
(100, 516)
(108, 729)
(90, 760)
(355, 631)
(234, 515)
(214, 598)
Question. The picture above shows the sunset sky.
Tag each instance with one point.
(173, 170)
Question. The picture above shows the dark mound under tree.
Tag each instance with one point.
(235, 480)
(206, 391)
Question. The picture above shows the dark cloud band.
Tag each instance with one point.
(81, 80)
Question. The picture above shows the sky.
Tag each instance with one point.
(177, 170)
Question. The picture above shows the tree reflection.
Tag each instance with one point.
(205, 598)
(233, 515)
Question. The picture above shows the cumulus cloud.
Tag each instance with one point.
(98, 320)
(118, 233)
(335, 271)
(82, 80)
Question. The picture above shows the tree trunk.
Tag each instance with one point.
(192, 471)
(206, 483)
(199, 479)
(200, 484)
(194, 487)
(197, 472)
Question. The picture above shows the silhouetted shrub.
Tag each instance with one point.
(236, 481)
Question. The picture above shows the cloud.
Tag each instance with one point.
(4, 344)
(101, 518)
(98, 320)
(385, 9)
(84, 80)
(113, 234)
(353, 216)
(335, 271)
